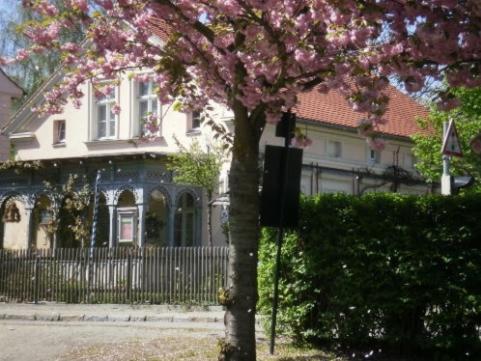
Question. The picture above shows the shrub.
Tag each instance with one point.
(382, 270)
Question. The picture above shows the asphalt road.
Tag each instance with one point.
(48, 341)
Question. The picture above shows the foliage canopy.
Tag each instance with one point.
(381, 271)
(427, 148)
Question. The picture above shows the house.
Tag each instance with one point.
(138, 202)
(340, 160)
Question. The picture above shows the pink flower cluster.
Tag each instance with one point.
(262, 53)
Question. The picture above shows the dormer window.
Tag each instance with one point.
(106, 118)
(59, 132)
(148, 107)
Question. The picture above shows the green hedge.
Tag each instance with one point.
(400, 273)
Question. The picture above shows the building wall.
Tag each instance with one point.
(35, 140)
(80, 141)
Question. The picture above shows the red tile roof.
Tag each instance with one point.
(160, 28)
(332, 108)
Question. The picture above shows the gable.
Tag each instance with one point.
(9, 87)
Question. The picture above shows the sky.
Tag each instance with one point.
(7, 14)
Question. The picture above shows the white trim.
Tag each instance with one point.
(132, 83)
(22, 136)
(100, 142)
(127, 211)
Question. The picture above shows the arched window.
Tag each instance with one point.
(126, 218)
(15, 224)
(156, 219)
(184, 221)
(43, 227)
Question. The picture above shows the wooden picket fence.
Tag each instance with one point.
(168, 275)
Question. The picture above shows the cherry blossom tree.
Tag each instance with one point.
(31, 72)
(255, 56)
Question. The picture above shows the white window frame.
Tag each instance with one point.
(94, 113)
(150, 98)
(334, 149)
(127, 212)
(57, 139)
(107, 101)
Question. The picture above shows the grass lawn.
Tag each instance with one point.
(187, 348)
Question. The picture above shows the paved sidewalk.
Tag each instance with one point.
(111, 313)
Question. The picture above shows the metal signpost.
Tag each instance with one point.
(280, 196)
(451, 147)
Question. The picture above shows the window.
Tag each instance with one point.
(59, 132)
(409, 161)
(126, 225)
(334, 149)
(184, 221)
(148, 105)
(106, 119)
(195, 121)
(374, 156)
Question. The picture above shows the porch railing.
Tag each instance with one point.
(181, 275)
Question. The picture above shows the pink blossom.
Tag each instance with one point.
(296, 42)
(22, 55)
(301, 141)
(116, 109)
(376, 143)
(81, 5)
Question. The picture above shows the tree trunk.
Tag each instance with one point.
(244, 235)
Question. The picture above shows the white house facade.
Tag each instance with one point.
(139, 204)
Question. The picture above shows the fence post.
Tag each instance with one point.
(36, 276)
(129, 274)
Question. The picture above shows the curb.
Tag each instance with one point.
(57, 317)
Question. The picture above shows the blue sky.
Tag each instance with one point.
(6, 6)
(7, 14)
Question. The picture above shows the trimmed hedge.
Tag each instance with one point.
(401, 273)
